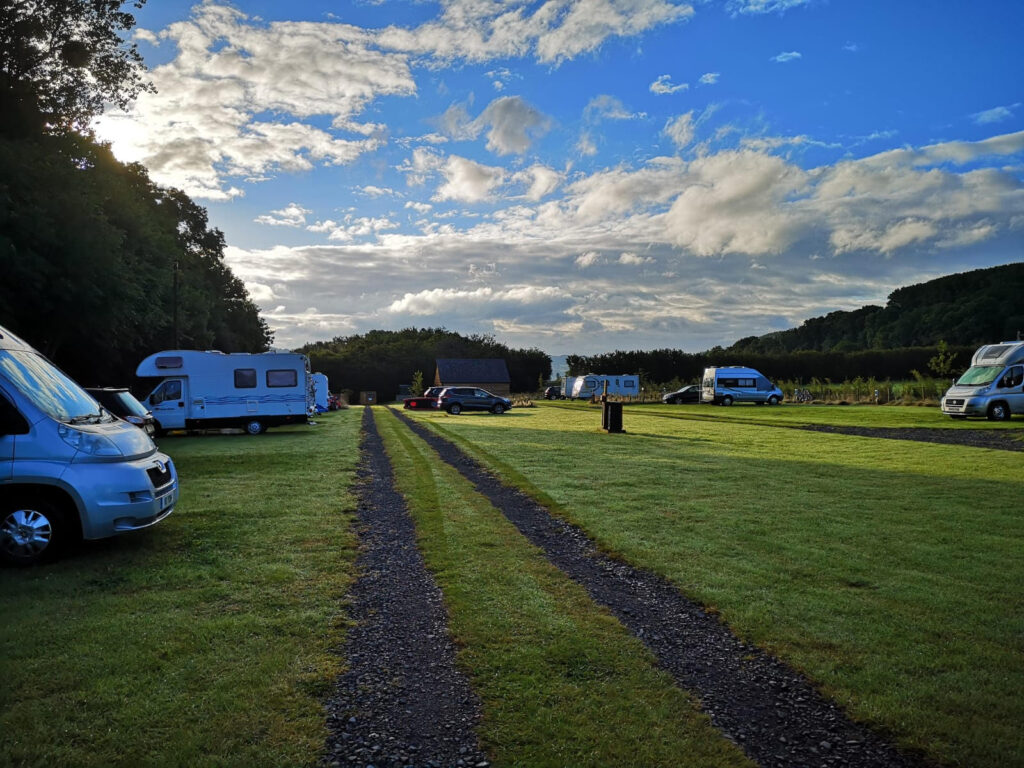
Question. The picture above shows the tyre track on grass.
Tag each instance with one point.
(768, 709)
(402, 701)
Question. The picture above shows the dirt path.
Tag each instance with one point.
(402, 702)
(772, 712)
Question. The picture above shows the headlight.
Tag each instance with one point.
(87, 442)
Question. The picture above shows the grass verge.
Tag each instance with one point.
(562, 682)
(204, 641)
(889, 571)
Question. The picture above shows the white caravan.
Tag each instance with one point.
(993, 386)
(203, 390)
(728, 384)
(592, 385)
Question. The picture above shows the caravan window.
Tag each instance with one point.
(245, 378)
(629, 384)
(282, 378)
(170, 362)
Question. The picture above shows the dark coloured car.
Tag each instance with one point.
(553, 393)
(688, 394)
(455, 400)
(426, 401)
(122, 403)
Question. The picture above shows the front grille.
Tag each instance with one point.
(159, 474)
(954, 401)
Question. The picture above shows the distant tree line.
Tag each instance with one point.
(99, 266)
(380, 361)
(932, 327)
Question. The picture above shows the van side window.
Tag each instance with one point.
(629, 384)
(169, 390)
(1014, 377)
(245, 378)
(282, 378)
(11, 421)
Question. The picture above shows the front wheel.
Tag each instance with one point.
(32, 532)
(773, 400)
(498, 408)
(998, 412)
(254, 427)
(454, 409)
(726, 400)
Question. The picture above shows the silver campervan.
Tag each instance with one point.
(68, 467)
(728, 384)
(992, 387)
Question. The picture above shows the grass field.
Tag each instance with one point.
(203, 641)
(889, 571)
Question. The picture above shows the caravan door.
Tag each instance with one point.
(167, 403)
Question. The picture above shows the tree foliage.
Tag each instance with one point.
(62, 60)
(97, 261)
(380, 361)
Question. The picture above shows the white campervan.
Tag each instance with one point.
(69, 468)
(993, 386)
(728, 384)
(205, 390)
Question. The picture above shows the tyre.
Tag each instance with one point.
(726, 400)
(773, 400)
(998, 411)
(32, 531)
(254, 427)
(498, 408)
(454, 409)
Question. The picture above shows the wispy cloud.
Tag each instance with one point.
(994, 115)
(663, 85)
(785, 56)
(709, 78)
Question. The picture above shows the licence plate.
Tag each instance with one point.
(166, 501)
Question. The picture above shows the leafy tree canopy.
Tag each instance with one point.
(380, 361)
(62, 60)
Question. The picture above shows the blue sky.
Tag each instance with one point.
(586, 176)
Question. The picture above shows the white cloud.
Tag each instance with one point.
(709, 78)
(994, 115)
(663, 85)
(632, 259)
(468, 181)
(513, 124)
(763, 6)
(680, 130)
(292, 215)
(785, 56)
(605, 107)
(588, 259)
(540, 180)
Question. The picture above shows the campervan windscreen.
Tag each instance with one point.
(979, 375)
(50, 390)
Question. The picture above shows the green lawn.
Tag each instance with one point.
(889, 571)
(203, 641)
(562, 682)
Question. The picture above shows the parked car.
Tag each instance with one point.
(553, 393)
(68, 468)
(455, 400)
(427, 401)
(122, 403)
(688, 394)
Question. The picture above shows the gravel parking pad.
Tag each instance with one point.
(402, 701)
(771, 711)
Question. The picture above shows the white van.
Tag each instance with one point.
(993, 386)
(728, 384)
(69, 468)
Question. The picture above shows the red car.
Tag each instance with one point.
(427, 401)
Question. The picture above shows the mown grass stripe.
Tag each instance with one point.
(562, 682)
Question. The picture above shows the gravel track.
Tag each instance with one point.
(402, 701)
(768, 709)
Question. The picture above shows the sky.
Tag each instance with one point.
(584, 176)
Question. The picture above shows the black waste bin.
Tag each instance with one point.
(611, 417)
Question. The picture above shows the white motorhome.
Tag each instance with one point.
(203, 390)
(593, 385)
(68, 467)
(728, 384)
(993, 386)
